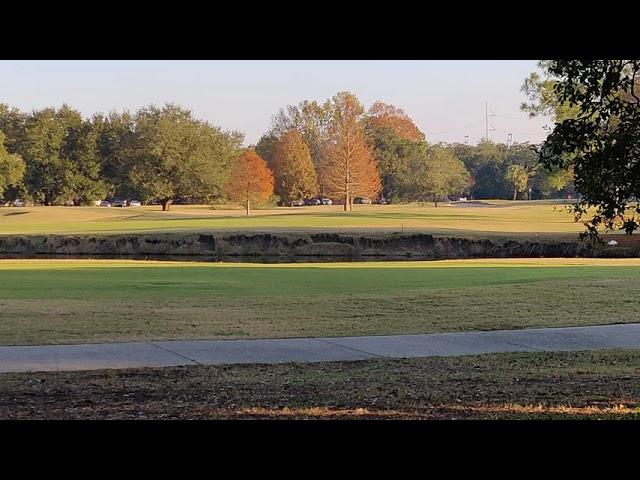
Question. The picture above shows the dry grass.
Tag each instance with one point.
(532, 219)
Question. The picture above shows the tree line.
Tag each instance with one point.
(335, 149)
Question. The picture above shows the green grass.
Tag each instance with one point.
(497, 217)
(576, 385)
(73, 301)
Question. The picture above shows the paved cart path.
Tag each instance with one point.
(217, 352)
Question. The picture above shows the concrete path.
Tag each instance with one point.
(217, 352)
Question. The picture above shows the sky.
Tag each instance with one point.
(445, 99)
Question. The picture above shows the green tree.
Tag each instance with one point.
(266, 147)
(294, 172)
(601, 142)
(394, 156)
(313, 120)
(517, 176)
(11, 167)
(176, 155)
(486, 163)
(440, 174)
(551, 182)
(116, 140)
(12, 123)
(61, 155)
(540, 88)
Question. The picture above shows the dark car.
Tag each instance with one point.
(362, 201)
(313, 201)
(119, 203)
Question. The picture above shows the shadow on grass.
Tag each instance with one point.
(13, 214)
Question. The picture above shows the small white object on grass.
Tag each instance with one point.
(612, 243)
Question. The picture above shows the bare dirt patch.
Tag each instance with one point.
(589, 385)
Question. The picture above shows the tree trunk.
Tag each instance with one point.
(248, 207)
(515, 193)
(435, 201)
(166, 204)
(346, 203)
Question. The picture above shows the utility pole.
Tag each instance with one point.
(486, 120)
(509, 139)
(466, 140)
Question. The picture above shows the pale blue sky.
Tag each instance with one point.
(446, 99)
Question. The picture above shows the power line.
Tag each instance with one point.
(457, 129)
(512, 118)
(522, 133)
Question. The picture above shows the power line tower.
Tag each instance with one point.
(486, 120)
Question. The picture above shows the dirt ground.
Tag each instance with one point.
(587, 385)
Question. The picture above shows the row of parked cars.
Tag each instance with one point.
(119, 203)
(328, 201)
(312, 201)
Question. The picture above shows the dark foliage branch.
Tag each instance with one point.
(602, 141)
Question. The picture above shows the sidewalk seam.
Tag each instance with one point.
(376, 355)
(175, 353)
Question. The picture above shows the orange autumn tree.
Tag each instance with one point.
(349, 170)
(382, 115)
(250, 180)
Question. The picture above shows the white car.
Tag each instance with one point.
(135, 203)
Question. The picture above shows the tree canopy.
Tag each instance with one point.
(439, 175)
(11, 167)
(250, 180)
(177, 156)
(349, 169)
(385, 116)
(602, 141)
(295, 174)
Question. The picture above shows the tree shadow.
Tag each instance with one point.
(13, 214)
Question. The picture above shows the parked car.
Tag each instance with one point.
(135, 203)
(119, 203)
(362, 200)
(104, 203)
(18, 203)
(297, 203)
(382, 201)
(313, 201)
(326, 201)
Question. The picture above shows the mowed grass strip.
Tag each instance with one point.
(575, 385)
(495, 217)
(75, 301)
